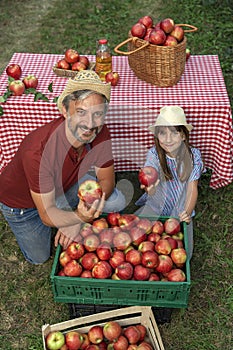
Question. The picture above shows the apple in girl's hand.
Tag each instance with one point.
(30, 82)
(17, 87)
(71, 56)
(14, 71)
(89, 191)
(112, 77)
(55, 340)
(147, 176)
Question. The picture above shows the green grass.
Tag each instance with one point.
(26, 295)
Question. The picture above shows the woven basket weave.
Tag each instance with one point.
(158, 65)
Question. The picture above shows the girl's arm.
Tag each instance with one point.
(190, 202)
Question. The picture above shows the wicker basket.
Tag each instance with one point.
(67, 73)
(158, 65)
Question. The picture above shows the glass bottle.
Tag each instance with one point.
(103, 63)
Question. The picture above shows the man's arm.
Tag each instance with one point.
(106, 179)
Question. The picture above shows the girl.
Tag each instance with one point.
(179, 167)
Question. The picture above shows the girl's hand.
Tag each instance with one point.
(150, 189)
(184, 216)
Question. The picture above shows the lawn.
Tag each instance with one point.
(26, 295)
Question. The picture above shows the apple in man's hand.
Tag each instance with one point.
(89, 191)
(17, 87)
(30, 81)
(55, 340)
(147, 176)
(14, 71)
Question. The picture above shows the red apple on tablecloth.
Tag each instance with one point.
(176, 275)
(147, 176)
(141, 273)
(73, 340)
(112, 330)
(124, 271)
(134, 256)
(117, 258)
(147, 21)
(73, 269)
(112, 77)
(157, 37)
(145, 246)
(102, 270)
(55, 340)
(75, 250)
(150, 259)
(63, 64)
(132, 333)
(163, 247)
(104, 251)
(188, 53)
(157, 227)
(64, 258)
(85, 60)
(179, 255)
(91, 242)
(172, 226)
(137, 235)
(165, 264)
(17, 87)
(178, 33)
(89, 191)
(138, 30)
(95, 334)
(30, 81)
(112, 218)
(71, 56)
(14, 70)
(167, 25)
(122, 240)
(170, 41)
(88, 260)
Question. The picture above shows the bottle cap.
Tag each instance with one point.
(103, 41)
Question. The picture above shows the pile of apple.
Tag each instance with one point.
(110, 336)
(17, 86)
(72, 60)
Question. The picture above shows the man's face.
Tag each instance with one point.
(85, 118)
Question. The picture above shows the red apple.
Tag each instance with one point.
(132, 333)
(132, 347)
(104, 251)
(95, 334)
(157, 37)
(120, 344)
(86, 274)
(78, 66)
(157, 227)
(99, 224)
(71, 56)
(170, 41)
(163, 247)
(147, 176)
(73, 269)
(102, 270)
(145, 246)
(157, 25)
(89, 191)
(102, 346)
(30, 81)
(173, 242)
(148, 31)
(147, 21)
(172, 226)
(73, 340)
(17, 87)
(112, 330)
(85, 60)
(150, 259)
(61, 273)
(63, 64)
(165, 264)
(117, 258)
(88, 260)
(141, 273)
(178, 33)
(176, 275)
(145, 346)
(180, 243)
(122, 240)
(179, 255)
(154, 277)
(112, 77)
(106, 235)
(138, 30)
(75, 250)
(134, 257)
(91, 242)
(153, 237)
(14, 70)
(65, 347)
(188, 53)
(85, 342)
(142, 329)
(112, 218)
(124, 271)
(64, 258)
(137, 235)
(55, 340)
(167, 25)
(127, 221)
(86, 230)
(93, 347)
(145, 224)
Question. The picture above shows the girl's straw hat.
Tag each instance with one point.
(171, 116)
(85, 80)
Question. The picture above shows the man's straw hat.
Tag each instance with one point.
(85, 80)
(171, 116)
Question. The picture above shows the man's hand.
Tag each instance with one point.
(88, 214)
(67, 235)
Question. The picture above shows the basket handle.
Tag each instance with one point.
(116, 49)
(191, 30)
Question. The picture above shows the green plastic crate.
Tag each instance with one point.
(121, 292)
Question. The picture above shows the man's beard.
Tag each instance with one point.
(78, 136)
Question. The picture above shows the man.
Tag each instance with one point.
(38, 188)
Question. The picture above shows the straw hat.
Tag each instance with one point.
(171, 116)
(85, 80)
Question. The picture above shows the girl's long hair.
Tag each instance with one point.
(184, 157)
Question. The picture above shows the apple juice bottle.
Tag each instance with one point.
(103, 63)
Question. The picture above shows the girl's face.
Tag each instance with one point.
(170, 139)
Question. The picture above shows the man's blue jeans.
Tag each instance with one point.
(33, 237)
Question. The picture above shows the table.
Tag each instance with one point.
(135, 104)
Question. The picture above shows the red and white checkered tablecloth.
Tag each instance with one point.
(135, 104)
